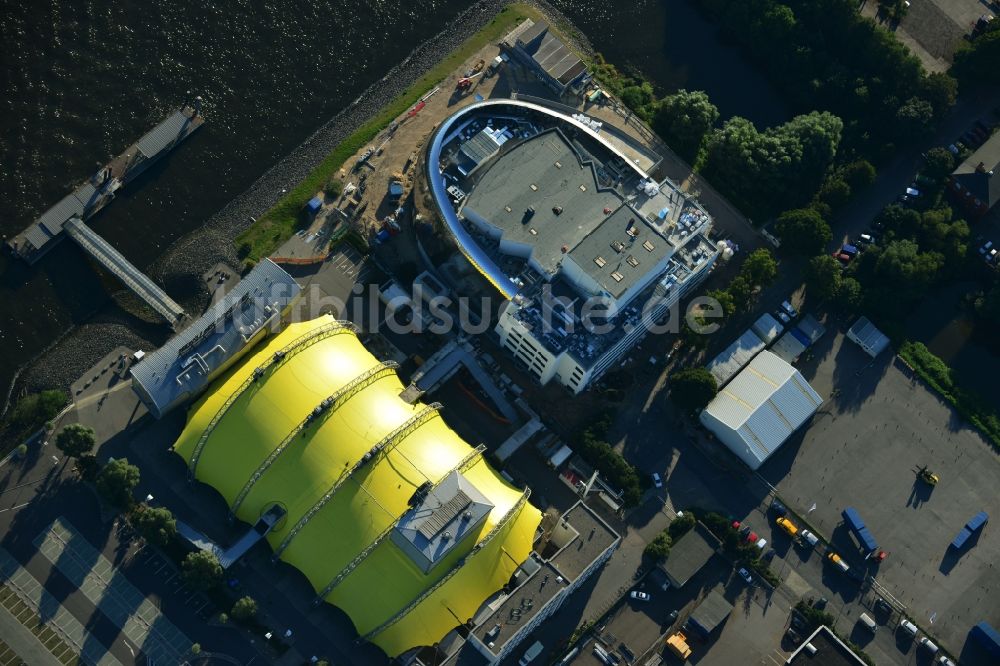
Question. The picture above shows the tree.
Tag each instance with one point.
(835, 192)
(201, 570)
(659, 548)
(640, 98)
(822, 277)
(683, 119)
(907, 269)
(914, 118)
(938, 163)
(116, 482)
(725, 299)
(941, 90)
(858, 174)
(988, 305)
(75, 440)
(778, 168)
(976, 62)
(803, 231)
(156, 525)
(245, 609)
(741, 290)
(848, 296)
(760, 268)
(693, 388)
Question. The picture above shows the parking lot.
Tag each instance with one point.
(933, 29)
(863, 450)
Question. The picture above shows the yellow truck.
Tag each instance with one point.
(788, 526)
(677, 644)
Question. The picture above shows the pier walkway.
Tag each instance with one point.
(123, 269)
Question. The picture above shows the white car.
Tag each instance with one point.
(640, 596)
(745, 575)
(657, 481)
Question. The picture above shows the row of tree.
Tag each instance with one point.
(116, 483)
(822, 54)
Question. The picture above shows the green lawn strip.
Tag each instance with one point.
(278, 224)
(939, 376)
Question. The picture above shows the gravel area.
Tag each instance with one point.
(127, 322)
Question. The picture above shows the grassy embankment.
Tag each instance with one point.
(31, 413)
(279, 223)
(935, 372)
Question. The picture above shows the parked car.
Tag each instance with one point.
(787, 307)
(657, 481)
(866, 239)
(912, 191)
(640, 596)
(928, 645)
(908, 627)
(842, 257)
(883, 606)
(821, 603)
(783, 316)
(779, 509)
(745, 575)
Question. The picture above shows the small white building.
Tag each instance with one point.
(869, 338)
(760, 408)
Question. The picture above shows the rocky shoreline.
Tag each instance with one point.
(182, 264)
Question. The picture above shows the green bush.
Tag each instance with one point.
(935, 372)
(31, 412)
(613, 468)
(245, 609)
(659, 548)
(691, 389)
(681, 525)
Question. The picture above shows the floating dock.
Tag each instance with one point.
(92, 196)
(67, 217)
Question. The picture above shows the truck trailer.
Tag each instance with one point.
(864, 537)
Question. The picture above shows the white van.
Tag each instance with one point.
(908, 627)
(868, 622)
(928, 645)
(809, 537)
(531, 653)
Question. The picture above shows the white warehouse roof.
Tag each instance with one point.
(760, 408)
(732, 359)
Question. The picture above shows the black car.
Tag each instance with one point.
(882, 606)
(779, 509)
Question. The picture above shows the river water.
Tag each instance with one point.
(81, 79)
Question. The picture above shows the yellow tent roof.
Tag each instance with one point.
(249, 437)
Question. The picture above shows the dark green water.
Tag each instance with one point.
(80, 80)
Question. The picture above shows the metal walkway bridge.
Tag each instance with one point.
(124, 270)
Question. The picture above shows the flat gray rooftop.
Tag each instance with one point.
(691, 552)
(185, 364)
(592, 538)
(595, 537)
(620, 251)
(542, 173)
(520, 606)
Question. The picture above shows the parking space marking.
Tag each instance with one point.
(111, 592)
(33, 600)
